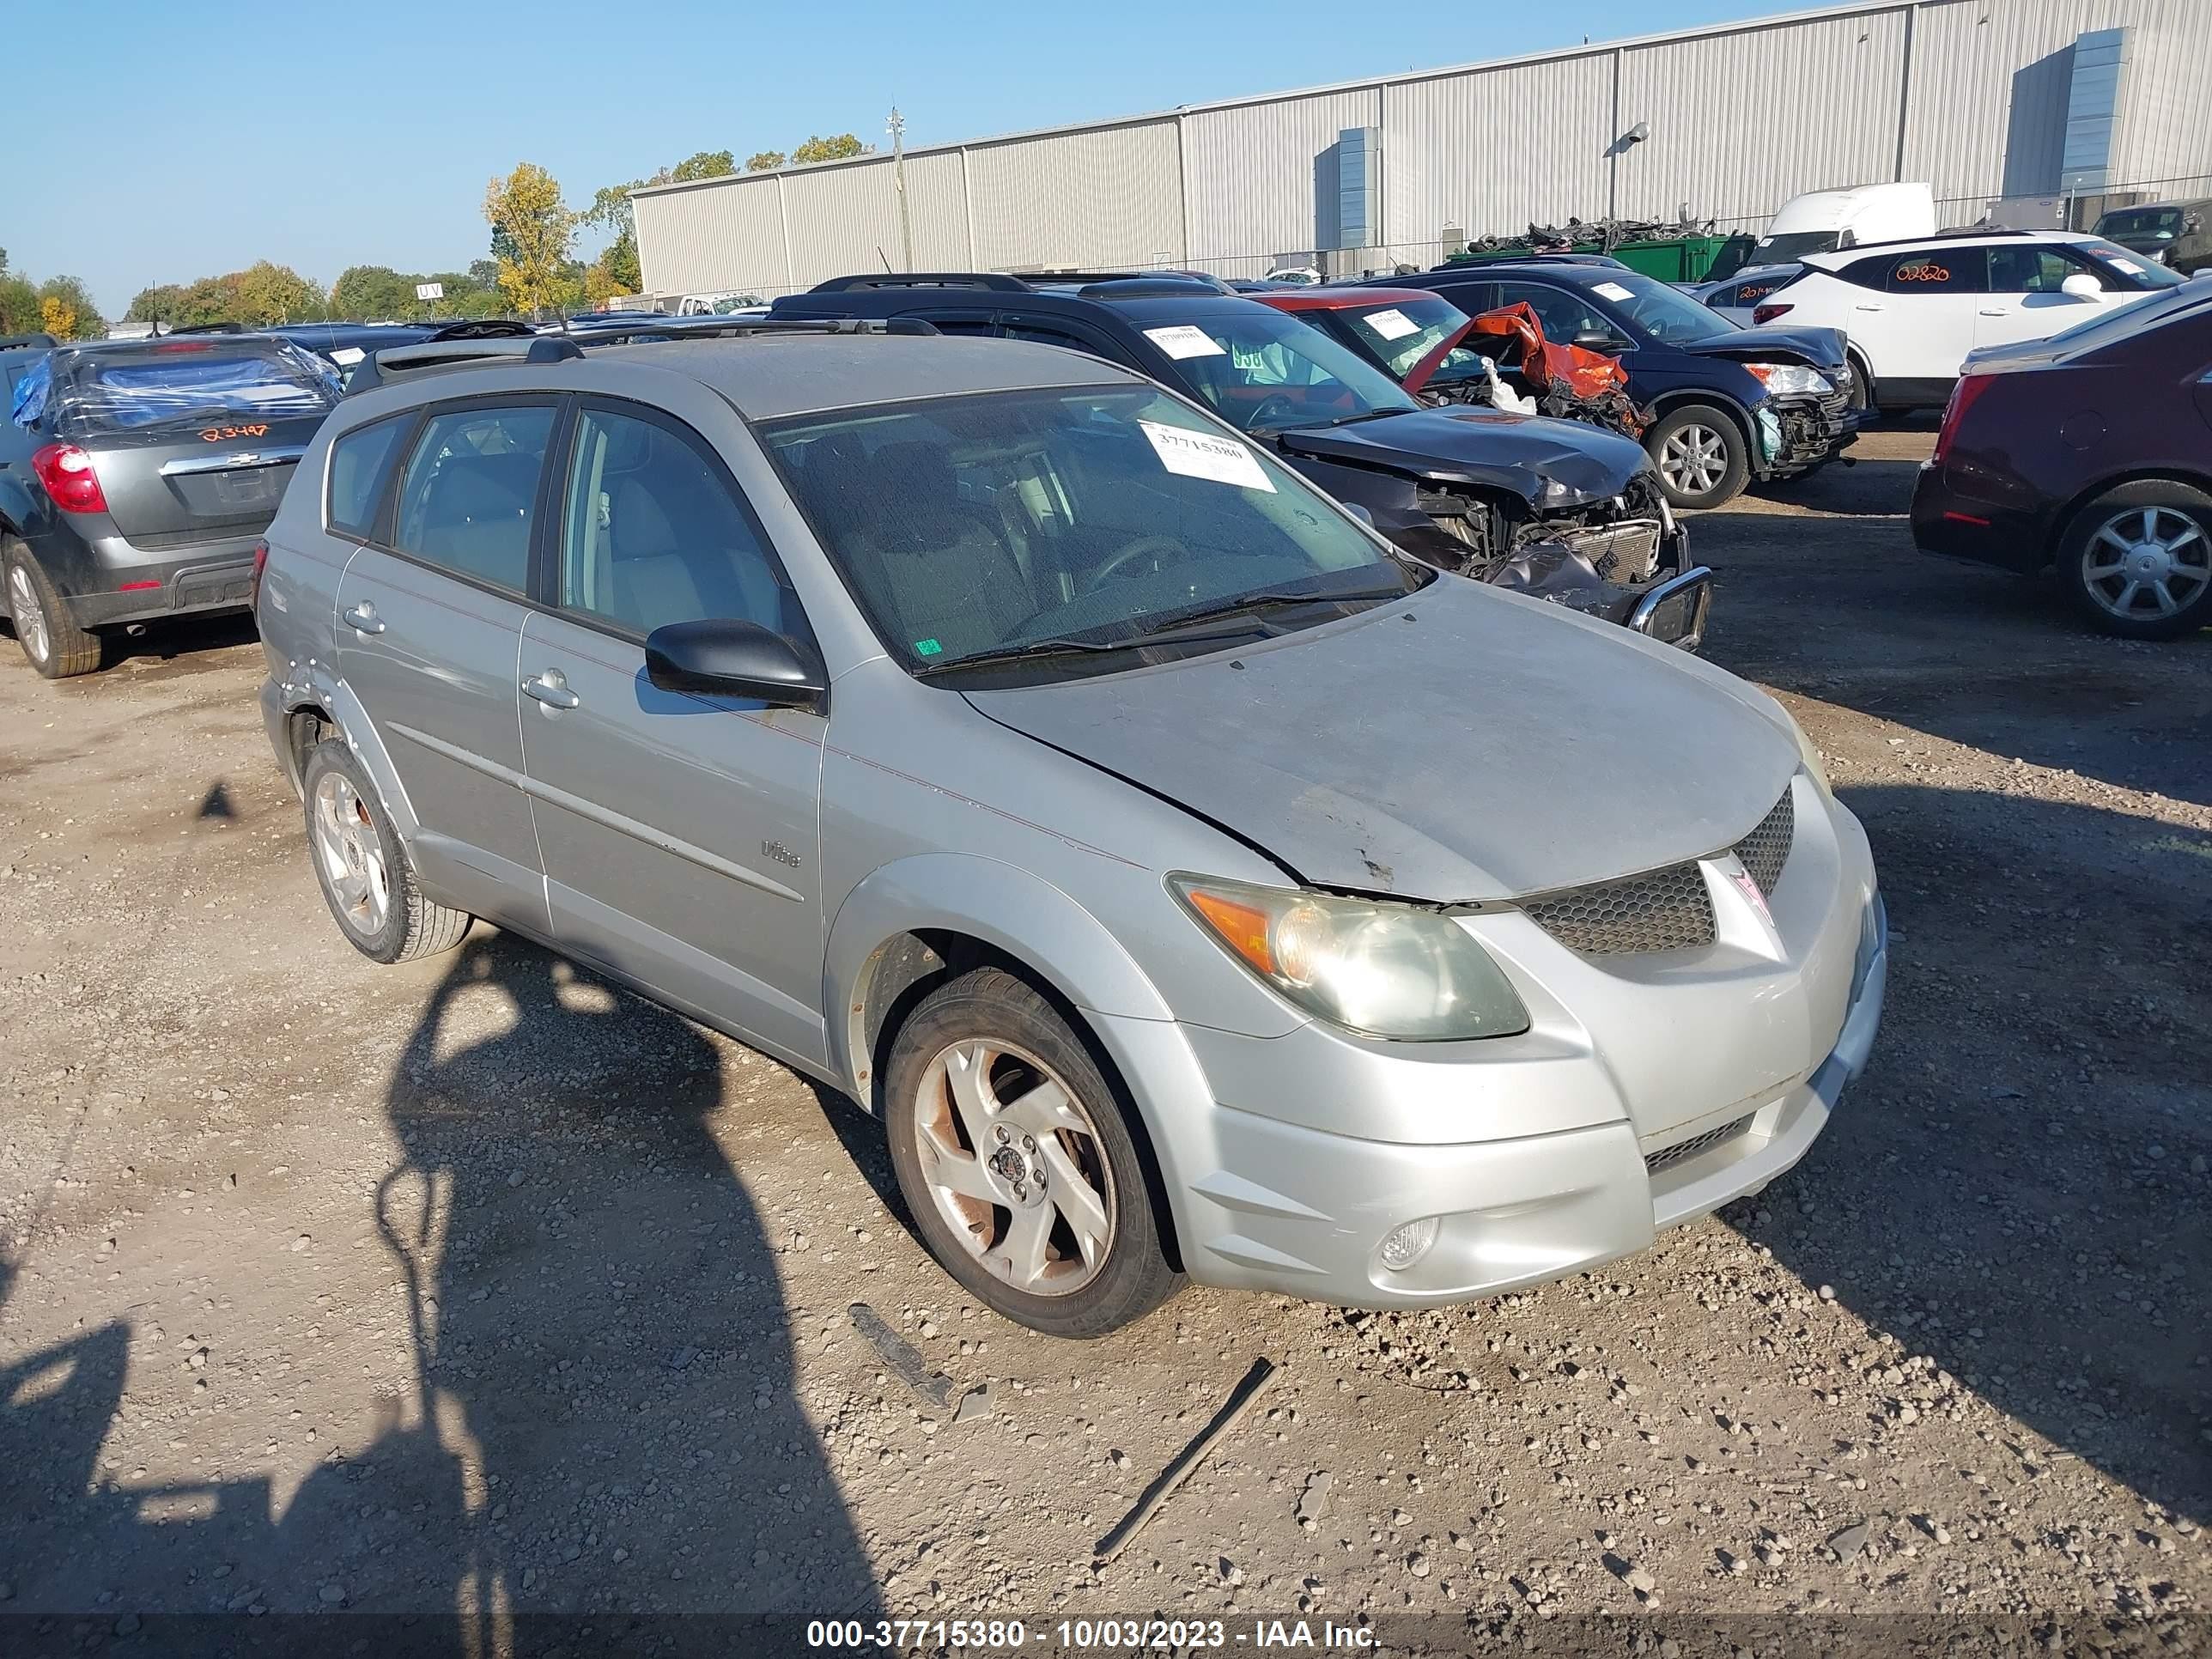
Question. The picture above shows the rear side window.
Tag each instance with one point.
(1949, 271)
(469, 490)
(359, 463)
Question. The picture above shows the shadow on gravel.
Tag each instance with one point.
(2025, 1205)
(601, 1423)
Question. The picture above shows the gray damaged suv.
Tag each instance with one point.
(1193, 883)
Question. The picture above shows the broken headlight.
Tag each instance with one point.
(1783, 380)
(1382, 969)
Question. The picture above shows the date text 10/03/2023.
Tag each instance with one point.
(998, 1635)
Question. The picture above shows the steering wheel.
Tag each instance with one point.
(1275, 404)
(1129, 554)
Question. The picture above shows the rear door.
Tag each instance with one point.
(194, 442)
(678, 830)
(1928, 303)
(430, 631)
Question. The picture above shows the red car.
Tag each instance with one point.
(2091, 450)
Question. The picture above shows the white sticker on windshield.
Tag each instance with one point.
(1612, 291)
(1202, 455)
(1184, 340)
(2128, 266)
(346, 354)
(1392, 324)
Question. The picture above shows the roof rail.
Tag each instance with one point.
(990, 279)
(379, 367)
(1160, 284)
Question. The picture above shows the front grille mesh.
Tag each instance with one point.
(1767, 849)
(1668, 910)
(1686, 1149)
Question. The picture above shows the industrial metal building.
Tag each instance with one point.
(1987, 99)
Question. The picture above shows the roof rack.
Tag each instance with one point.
(378, 368)
(9, 341)
(1151, 284)
(991, 279)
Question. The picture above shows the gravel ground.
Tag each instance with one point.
(475, 1288)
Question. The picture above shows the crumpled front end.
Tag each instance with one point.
(1567, 382)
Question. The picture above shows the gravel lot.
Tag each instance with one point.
(475, 1288)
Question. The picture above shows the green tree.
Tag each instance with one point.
(526, 210)
(370, 293)
(68, 311)
(766, 160)
(19, 306)
(831, 149)
(267, 293)
(702, 164)
(157, 304)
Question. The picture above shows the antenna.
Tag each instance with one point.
(896, 127)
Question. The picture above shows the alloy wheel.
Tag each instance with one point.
(352, 855)
(2146, 562)
(1694, 459)
(1015, 1166)
(30, 615)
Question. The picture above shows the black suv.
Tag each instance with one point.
(1731, 403)
(1553, 507)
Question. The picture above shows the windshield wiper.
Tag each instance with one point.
(1175, 632)
(1371, 414)
(1015, 653)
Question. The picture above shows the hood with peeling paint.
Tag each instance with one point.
(1491, 746)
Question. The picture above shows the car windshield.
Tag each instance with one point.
(1265, 371)
(187, 381)
(1655, 310)
(1072, 526)
(2146, 271)
(1792, 245)
(2145, 226)
(2183, 299)
(1399, 334)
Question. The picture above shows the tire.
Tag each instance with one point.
(1860, 391)
(52, 643)
(363, 870)
(2137, 560)
(1710, 465)
(1054, 1168)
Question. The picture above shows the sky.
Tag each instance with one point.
(169, 151)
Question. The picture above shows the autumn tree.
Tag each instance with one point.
(766, 160)
(267, 293)
(526, 212)
(831, 149)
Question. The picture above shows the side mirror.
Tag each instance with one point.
(724, 657)
(1599, 340)
(2082, 286)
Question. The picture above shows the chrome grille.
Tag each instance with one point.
(1767, 849)
(1667, 909)
(1669, 1156)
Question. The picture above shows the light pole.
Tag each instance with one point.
(896, 127)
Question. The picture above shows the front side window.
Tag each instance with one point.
(470, 486)
(359, 463)
(1080, 523)
(651, 534)
(1265, 372)
(1653, 310)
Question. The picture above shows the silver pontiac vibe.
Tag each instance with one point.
(1195, 884)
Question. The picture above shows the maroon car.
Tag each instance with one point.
(2091, 450)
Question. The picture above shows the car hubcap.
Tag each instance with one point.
(1015, 1167)
(1694, 459)
(30, 615)
(352, 855)
(2147, 562)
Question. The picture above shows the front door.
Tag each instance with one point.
(678, 830)
(2028, 298)
(429, 622)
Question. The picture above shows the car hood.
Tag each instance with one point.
(1823, 348)
(1492, 747)
(1480, 447)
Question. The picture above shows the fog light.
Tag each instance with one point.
(1403, 1246)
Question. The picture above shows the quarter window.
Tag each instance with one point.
(470, 486)
(360, 461)
(652, 535)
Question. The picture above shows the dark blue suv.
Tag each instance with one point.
(1731, 404)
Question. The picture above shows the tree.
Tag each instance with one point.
(19, 306)
(67, 312)
(831, 149)
(370, 293)
(157, 304)
(266, 292)
(766, 160)
(525, 210)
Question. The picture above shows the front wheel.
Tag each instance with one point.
(2138, 560)
(1701, 456)
(1014, 1155)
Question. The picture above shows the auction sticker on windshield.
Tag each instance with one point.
(1184, 340)
(1392, 324)
(1612, 291)
(1202, 455)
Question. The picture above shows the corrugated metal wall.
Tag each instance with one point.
(1741, 119)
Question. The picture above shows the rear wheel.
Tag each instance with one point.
(1700, 454)
(52, 640)
(1015, 1157)
(2138, 560)
(366, 878)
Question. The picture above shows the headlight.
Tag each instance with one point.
(1553, 492)
(1782, 379)
(1385, 970)
(1808, 755)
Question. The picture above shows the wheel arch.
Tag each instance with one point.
(2070, 512)
(1668, 402)
(326, 707)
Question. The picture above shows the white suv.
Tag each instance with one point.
(1913, 310)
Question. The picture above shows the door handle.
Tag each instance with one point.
(362, 618)
(551, 688)
(1987, 311)
(1866, 307)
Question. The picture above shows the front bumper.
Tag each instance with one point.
(1798, 433)
(1316, 1150)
